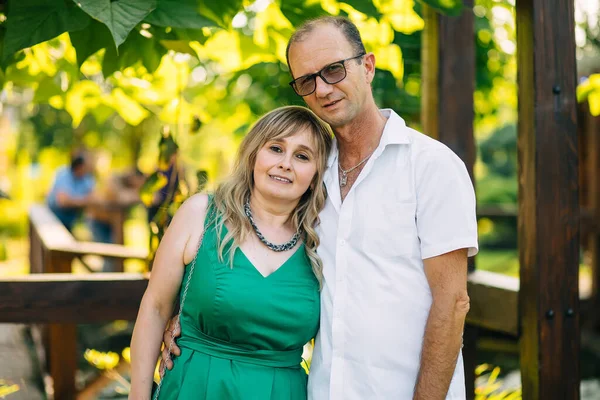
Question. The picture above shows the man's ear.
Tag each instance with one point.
(369, 63)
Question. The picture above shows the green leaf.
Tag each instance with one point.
(452, 8)
(298, 11)
(110, 62)
(140, 48)
(46, 88)
(34, 21)
(364, 6)
(88, 41)
(178, 14)
(220, 11)
(119, 16)
(180, 46)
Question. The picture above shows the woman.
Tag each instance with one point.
(253, 297)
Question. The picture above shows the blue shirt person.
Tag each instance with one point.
(72, 190)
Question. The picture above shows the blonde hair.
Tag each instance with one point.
(231, 195)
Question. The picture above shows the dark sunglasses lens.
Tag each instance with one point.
(334, 73)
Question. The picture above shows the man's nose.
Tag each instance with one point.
(323, 89)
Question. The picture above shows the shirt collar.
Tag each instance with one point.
(394, 132)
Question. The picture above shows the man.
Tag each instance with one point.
(72, 189)
(395, 233)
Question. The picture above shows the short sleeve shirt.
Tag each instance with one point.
(75, 187)
(413, 200)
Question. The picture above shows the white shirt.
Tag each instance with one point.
(413, 200)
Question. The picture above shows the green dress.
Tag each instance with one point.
(242, 334)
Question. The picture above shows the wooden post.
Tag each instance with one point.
(591, 130)
(62, 341)
(448, 81)
(448, 74)
(118, 231)
(548, 200)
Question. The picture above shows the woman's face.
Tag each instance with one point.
(286, 167)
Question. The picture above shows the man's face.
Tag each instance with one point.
(338, 104)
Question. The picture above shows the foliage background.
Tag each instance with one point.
(110, 75)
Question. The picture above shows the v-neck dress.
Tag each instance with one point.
(242, 334)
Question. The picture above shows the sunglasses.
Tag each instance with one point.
(332, 73)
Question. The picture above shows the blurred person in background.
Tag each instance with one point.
(72, 189)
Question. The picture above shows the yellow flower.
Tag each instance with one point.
(7, 388)
(126, 354)
(101, 360)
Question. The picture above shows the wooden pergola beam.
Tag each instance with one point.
(548, 200)
(448, 80)
(448, 84)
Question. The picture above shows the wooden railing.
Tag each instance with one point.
(52, 295)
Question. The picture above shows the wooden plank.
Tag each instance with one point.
(57, 239)
(108, 250)
(548, 200)
(35, 251)
(70, 298)
(50, 230)
(494, 302)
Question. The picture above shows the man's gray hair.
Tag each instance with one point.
(347, 27)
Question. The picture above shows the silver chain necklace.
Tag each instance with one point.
(344, 176)
(275, 247)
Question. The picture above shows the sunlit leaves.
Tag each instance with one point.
(119, 16)
(233, 51)
(178, 13)
(298, 11)
(35, 21)
(130, 110)
(364, 6)
(390, 58)
(590, 90)
(83, 96)
(46, 89)
(220, 11)
(448, 7)
(272, 31)
(401, 15)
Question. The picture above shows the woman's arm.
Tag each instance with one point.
(176, 248)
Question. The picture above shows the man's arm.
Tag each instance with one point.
(64, 200)
(447, 277)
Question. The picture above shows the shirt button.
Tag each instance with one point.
(342, 242)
